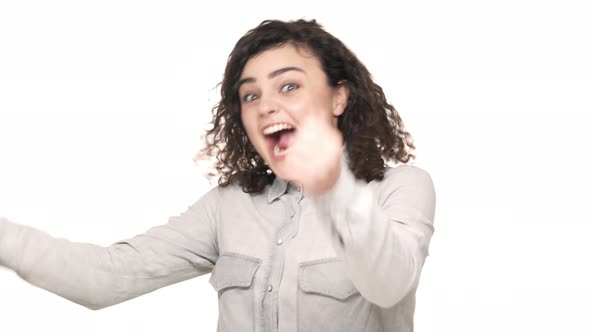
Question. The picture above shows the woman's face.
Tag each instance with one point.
(280, 90)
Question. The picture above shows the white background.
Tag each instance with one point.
(102, 105)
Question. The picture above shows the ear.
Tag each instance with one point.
(340, 98)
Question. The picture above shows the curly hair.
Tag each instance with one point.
(372, 129)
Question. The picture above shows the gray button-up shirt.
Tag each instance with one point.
(349, 260)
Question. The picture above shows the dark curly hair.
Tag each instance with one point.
(372, 129)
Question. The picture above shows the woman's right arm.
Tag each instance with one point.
(97, 277)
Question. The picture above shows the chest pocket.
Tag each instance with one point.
(233, 278)
(327, 300)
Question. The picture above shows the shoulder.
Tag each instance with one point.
(409, 180)
(216, 199)
(406, 172)
(408, 190)
(221, 194)
(228, 195)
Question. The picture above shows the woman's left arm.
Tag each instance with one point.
(382, 235)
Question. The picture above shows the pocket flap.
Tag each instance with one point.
(234, 270)
(327, 277)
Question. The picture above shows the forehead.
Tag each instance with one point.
(280, 57)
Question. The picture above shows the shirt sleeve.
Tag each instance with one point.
(382, 235)
(97, 277)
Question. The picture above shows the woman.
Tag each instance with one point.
(308, 230)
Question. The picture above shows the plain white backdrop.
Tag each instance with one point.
(102, 105)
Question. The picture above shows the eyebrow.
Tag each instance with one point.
(271, 75)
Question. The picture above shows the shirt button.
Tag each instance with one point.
(269, 288)
(280, 241)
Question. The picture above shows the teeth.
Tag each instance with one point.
(275, 128)
(280, 152)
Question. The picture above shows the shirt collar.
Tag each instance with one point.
(277, 189)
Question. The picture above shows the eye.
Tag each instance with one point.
(249, 97)
(289, 86)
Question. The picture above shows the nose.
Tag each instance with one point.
(268, 106)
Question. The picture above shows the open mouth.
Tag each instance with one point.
(279, 137)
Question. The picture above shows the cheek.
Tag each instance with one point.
(249, 124)
(319, 103)
(300, 108)
(246, 120)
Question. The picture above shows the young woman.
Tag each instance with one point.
(309, 228)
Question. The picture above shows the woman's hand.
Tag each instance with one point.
(313, 161)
